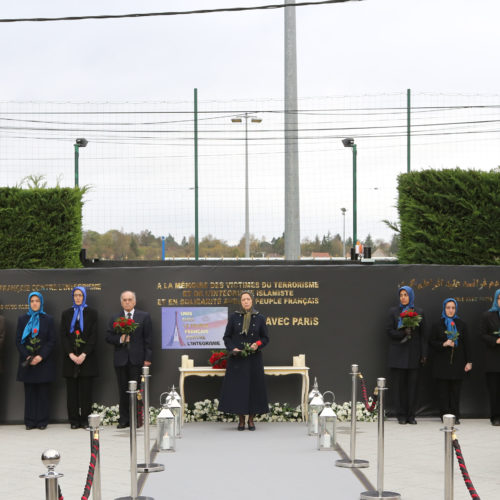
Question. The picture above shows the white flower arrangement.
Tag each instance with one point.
(207, 411)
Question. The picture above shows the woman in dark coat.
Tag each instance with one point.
(452, 358)
(78, 338)
(244, 388)
(35, 341)
(490, 335)
(407, 351)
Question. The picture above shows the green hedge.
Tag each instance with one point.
(40, 228)
(449, 217)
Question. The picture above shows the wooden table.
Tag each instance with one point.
(207, 371)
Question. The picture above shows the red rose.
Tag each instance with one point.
(122, 323)
(452, 323)
(77, 332)
(35, 330)
(403, 314)
(115, 324)
(130, 321)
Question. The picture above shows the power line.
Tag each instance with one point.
(171, 13)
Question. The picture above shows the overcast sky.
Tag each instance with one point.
(348, 49)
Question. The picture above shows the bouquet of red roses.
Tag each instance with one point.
(124, 326)
(218, 359)
(410, 319)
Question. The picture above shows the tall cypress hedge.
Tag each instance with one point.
(449, 217)
(40, 228)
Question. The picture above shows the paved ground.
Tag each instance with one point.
(214, 461)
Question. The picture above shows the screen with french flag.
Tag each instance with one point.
(193, 327)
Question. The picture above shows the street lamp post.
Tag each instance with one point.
(343, 210)
(253, 119)
(79, 143)
(349, 143)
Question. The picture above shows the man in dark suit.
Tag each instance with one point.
(132, 352)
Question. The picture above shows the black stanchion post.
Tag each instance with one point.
(132, 390)
(353, 462)
(449, 428)
(380, 493)
(50, 458)
(147, 466)
(94, 424)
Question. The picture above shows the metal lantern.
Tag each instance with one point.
(174, 393)
(175, 407)
(327, 435)
(166, 430)
(315, 408)
(314, 391)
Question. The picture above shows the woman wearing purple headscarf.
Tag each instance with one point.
(78, 339)
(407, 351)
(35, 341)
(452, 358)
(490, 335)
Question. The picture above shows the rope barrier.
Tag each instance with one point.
(463, 469)
(90, 476)
(370, 407)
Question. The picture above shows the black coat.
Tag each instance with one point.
(140, 347)
(490, 322)
(45, 371)
(408, 354)
(89, 367)
(244, 389)
(443, 365)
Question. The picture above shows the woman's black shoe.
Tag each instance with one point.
(241, 427)
(402, 421)
(42, 427)
(29, 427)
(251, 427)
(412, 421)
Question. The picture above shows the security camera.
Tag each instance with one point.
(81, 142)
(348, 142)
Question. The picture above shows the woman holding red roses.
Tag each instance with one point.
(407, 351)
(78, 339)
(244, 388)
(452, 357)
(35, 341)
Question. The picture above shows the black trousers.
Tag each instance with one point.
(404, 392)
(36, 404)
(449, 396)
(123, 375)
(79, 399)
(493, 384)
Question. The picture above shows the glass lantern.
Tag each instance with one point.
(175, 407)
(314, 391)
(327, 433)
(315, 408)
(165, 423)
(175, 394)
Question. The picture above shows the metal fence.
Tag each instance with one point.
(139, 161)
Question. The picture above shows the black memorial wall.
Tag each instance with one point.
(334, 314)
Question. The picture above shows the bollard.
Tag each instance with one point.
(147, 466)
(353, 462)
(449, 429)
(94, 423)
(50, 458)
(132, 390)
(380, 493)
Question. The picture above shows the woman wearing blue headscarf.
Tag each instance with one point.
(490, 335)
(407, 351)
(452, 357)
(78, 339)
(35, 341)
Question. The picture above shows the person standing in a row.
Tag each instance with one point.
(490, 335)
(78, 338)
(133, 350)
(452, 358)
(35, 341)
(407, 351)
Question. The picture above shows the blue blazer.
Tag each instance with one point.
(45, 371)
(140, 347)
